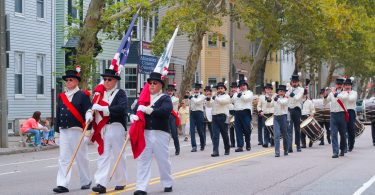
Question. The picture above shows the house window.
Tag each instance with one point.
(75, 10)
(19, 6)
(223, 41)
(131, 81)
(150, 26)
(211, 81)
(40, 62)
(40, 8)
(18, 66)
(135, 31)
(212, 40)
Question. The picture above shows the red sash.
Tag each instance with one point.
(72, 109)
(178, 123)
(343, 107)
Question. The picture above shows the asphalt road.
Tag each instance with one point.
(312, 171)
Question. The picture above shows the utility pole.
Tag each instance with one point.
(3, 85)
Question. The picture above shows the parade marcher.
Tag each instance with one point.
(325, 125)
(171, 89)
(280, 103)
(243, 104)
(197, 117)
(232, 134)
(295, 94)
(265, 110)
(183, 113)
(308, 110)
(208, 112)
(113, 107)
(156, 136)
(338, 97)
(351, 106)
(220, 112)
(70, 121)
(372, 99)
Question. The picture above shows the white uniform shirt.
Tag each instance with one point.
(207, 111)
(335, 106)
(352, 100)
(220, 104)
(196, 104)
(296, 100)
(308, 107)
(281, 106)
(175, 101)
(263, 105)
(243, 102)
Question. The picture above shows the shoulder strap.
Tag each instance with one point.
(72, 109)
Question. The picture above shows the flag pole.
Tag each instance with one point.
(119, 157)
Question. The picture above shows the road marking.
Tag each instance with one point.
(199, 169)
(365, 186)
(7, 173)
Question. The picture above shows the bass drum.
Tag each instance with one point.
(359, 128)
(369, 109)
(322, 112)
(312, 129)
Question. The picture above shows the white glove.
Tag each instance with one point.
(97, 107)
(141, 108)
(88, 117)
(144, 109)
(133, 118)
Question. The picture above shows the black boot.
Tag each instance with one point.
(85, 187)
(168, 189)
(99, 188)
(194, 149)
(239, 149)
(310, 144)
(119, 187)
(227, 151)
(60, 189)
(177, 151)
(140, 192)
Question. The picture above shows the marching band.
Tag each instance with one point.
(226, 114)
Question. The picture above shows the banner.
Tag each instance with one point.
(147, 64)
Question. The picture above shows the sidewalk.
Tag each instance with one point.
(15, 147)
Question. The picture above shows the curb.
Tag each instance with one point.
(26, 150)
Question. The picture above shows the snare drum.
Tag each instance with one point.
(269, 126)
(358, 128)
(322, 112)
(312, 129)
(369, 106)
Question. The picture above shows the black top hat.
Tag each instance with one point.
(241, 82)
(197, 85)
(339, 81)
(305, 92)
(155, 76)
(110, 73)
(281, 87)
(207, 88)
(72, 74)
(294, 77)
(348, 81)
(233, 84)
(221, 84)
(171, 87)
(268, 85)
(322, 90)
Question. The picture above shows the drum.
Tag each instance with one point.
(322, 112)
(358, 128)
(255, 104)
(369, 109)
(312, 129)
(269, 126)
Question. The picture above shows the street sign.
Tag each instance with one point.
(147, 64)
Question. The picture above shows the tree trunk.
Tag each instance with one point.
(88, 38)
(192, 61)
(299, 55)
(332, 67)
(259, 58)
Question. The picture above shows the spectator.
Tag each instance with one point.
(31, 126)
(183, 113)
(48, 134)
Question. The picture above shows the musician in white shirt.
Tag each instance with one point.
(295, 94)
(232, 134)
(220, 112)
(308, 110)
(243, 105)
(197, 117)
(280, 103)
(350, 106)
(208, 112)
(171, 89)
(265, 110)
(338, 98)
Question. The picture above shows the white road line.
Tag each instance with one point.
(7, 173)
(365, 186)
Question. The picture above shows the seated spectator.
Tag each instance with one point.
(31, 126)
(49, 138)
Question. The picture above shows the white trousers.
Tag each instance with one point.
(69, 139)
(114, 137)
(156, 145)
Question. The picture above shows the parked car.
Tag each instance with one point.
(360, 110)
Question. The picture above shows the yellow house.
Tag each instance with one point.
(272, 72)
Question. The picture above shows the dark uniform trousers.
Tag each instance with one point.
(351, 131)
(197, 120)
(174, 132)
(242, 125)
(209, 125)
(338, 125)
(326, 125)
(220, 127)
(303, 135)
(295, 121)
(261, 127)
